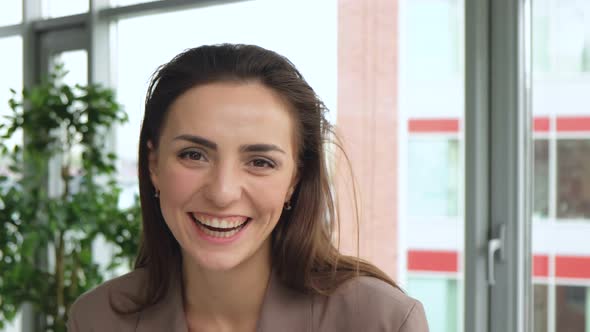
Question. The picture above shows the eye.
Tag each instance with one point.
(262, 163)
(192, 155)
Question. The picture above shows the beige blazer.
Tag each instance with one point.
(362, 304)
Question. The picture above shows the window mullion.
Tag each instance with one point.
(476, 164)
(510, 164)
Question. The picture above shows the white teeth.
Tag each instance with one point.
(228, 223)
(218, 234)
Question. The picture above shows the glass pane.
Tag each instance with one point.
(431, 107)
(552, 21)
(540, 308)
(76, 64)
(11, 67)
(440, 300)
(433, 169)
(573, 176)
(572, 308)
(11, 12)
(541, 179)
(128, 2)
(561, 81)
(58, 8)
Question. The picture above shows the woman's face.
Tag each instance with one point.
(225, 165)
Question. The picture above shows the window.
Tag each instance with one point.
(572, 308)
(57, 8)
(573, 175)
(561, 36)
(434, 24)
(11, 66)
(11, 12)
(540, 313)
(541, 179)
(440, 297)
(433, 184)
(431, 104)
(129, 2)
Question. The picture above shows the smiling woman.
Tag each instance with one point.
(238, 212)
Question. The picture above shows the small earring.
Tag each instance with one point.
(157, 194)
(288, 206)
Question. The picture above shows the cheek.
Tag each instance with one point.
(269, 194)
(177, 184)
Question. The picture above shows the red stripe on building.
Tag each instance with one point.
(433, 125)
(540, 266)
(541, 124)
(578, 123)
(447, 261)
(572, 267)
(438, 261)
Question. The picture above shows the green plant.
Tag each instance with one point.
(47, 231)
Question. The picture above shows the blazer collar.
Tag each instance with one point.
(282, 308)
(166, 315)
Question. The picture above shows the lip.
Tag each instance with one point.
(214, 215)
(217, 240)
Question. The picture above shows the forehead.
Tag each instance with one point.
(229, 110)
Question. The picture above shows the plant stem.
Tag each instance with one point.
(74, 281)
(59, 279)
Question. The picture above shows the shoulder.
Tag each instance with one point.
(370, 304)
(95, 307)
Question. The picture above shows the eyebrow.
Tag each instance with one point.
(243, 148)
(197, 140)
(261, 148)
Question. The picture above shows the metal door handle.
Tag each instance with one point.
(494, 245)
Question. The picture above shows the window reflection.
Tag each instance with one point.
(573, 172)
(433, 184)
(540, 308)
(571, 303)
(439, 297)
(541, 179)
(560, 38)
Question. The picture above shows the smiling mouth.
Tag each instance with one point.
(221, 229)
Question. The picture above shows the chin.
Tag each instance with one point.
(215, 262)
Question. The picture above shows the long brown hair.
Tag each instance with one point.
(303, 254)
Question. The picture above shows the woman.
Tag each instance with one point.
(238, 211)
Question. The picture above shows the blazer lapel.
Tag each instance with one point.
(166, 315)
(284, 309)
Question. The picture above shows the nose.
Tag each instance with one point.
(224, 186)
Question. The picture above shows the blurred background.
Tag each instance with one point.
(392, 74)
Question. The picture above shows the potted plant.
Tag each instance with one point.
(47, 230)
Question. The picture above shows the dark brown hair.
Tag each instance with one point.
(303, 254)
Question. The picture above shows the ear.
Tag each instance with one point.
(153, 164)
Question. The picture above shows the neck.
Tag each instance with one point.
(230, 297)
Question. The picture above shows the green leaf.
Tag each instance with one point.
(54, 117)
